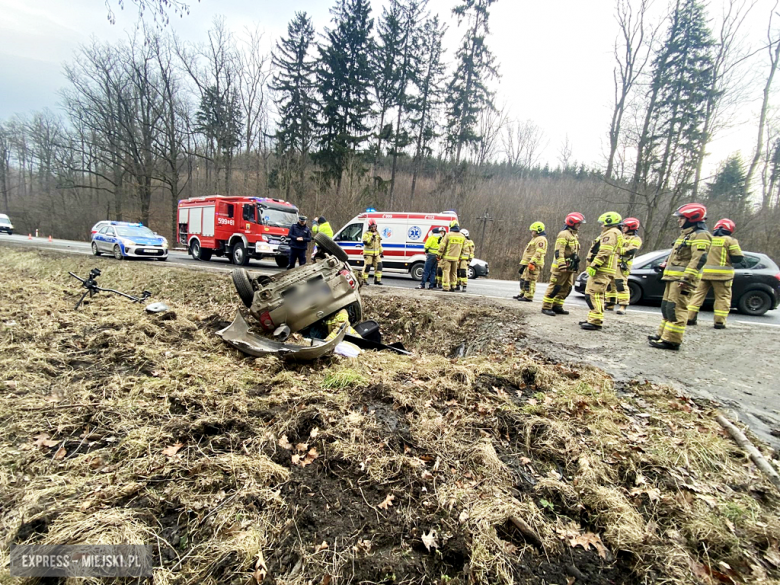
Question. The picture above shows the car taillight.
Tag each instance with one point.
(348, 276)
(266, 321)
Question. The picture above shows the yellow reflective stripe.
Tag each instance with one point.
(674, 328)
(721, 313)
(669, 272)
(722, 270)
(607, 247)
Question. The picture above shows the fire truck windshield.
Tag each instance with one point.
(277, 217)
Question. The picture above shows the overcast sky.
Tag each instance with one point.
(555, 57)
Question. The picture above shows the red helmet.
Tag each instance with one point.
(574, 218)
(371, 222)
(693, 212)
(631, 223)
(726, 224)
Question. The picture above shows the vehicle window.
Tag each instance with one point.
(277, 217)
(143, 232)
(249, 212)
(749, 262)
(110, 231)
(657, 262)
(352, 233)
(104, 230)
(230, 210)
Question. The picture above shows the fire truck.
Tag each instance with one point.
(238, 228)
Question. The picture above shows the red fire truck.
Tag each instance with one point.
(239, 228)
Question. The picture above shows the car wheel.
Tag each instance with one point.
(754, 302)
(238, 254)
(331, 247)
(635, 292)
(243, 285)
(472, 272)
(118, 252)
(417, 270)
(95, 251)
(282, 261)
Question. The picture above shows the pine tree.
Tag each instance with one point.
(294, 84)
(729, 184)
(344, 81)
(386, 66)
(429, 93)
(673, 132)
(467, 92)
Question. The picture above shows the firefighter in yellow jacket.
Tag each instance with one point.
(602, 267)
(372, 252)
(449, 256)
(466, 256)
(566, 263)
(682, 273)
(718, 273)
(618, 291)
(532, 262)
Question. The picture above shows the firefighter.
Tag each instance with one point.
(718, 273)
(442, 233)
(466, 256)
(532, 262)
(566, 264)
(372, 252)
(682, 272)
(431, 249)
(299, 237)
(618, 292)
(449, 256)
(321, 225)
(602, 266)
(334, 323)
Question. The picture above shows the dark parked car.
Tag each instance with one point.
(756, 287)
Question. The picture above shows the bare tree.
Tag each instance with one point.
(522, 142)
(491, 125)
(632, 53)
(564, 154)
(774, 57)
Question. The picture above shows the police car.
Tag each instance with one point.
(128, 240)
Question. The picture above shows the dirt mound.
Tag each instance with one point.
(500, 467)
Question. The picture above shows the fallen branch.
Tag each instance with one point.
(527, 532)
(745, 444)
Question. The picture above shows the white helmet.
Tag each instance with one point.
(465, 232)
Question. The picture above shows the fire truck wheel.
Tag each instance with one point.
(199, 253)
(238, 254)
(118, 252)
(95, 251)
(330, 246)
(243, 285)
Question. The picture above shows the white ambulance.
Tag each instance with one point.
(403, 238)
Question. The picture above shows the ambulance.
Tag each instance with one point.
(403, 238)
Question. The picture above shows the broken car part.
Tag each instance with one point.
(157, 308)
(239, 336)
(90, 284)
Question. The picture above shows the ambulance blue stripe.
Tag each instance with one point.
(358, 245)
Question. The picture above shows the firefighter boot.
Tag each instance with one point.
(621, 310)
(693, 320)
(720, 325)
(558, 310)
(589, 326)
(548, 312)
(662, 344)
(378, 282)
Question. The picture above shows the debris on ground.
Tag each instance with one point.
(90, 283)
(469, 462)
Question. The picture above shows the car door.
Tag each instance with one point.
(109, 239)
(649, 277)
(100, 239)
(743, 276)
(351, 239)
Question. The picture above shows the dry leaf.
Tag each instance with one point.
(313, 435)
(533, 401)
(42, 440)
(296, 459)
(302, 461)
(570, 580)
(525, 461)
(284, 443)
(429, 540)
(301, 447)
(60, 454)
(320, 547)
(388, 502)
(261, 570)
(589, 539)
(172, 450)
(325, 579)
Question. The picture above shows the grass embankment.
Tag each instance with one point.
(122, 427)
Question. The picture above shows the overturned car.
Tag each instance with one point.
(320, 301)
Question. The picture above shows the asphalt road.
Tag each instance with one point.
(486, 287)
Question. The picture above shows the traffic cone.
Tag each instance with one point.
(29, 236)
(50, 239)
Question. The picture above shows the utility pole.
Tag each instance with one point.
(484, 218)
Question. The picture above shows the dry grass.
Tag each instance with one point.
(409, 453)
